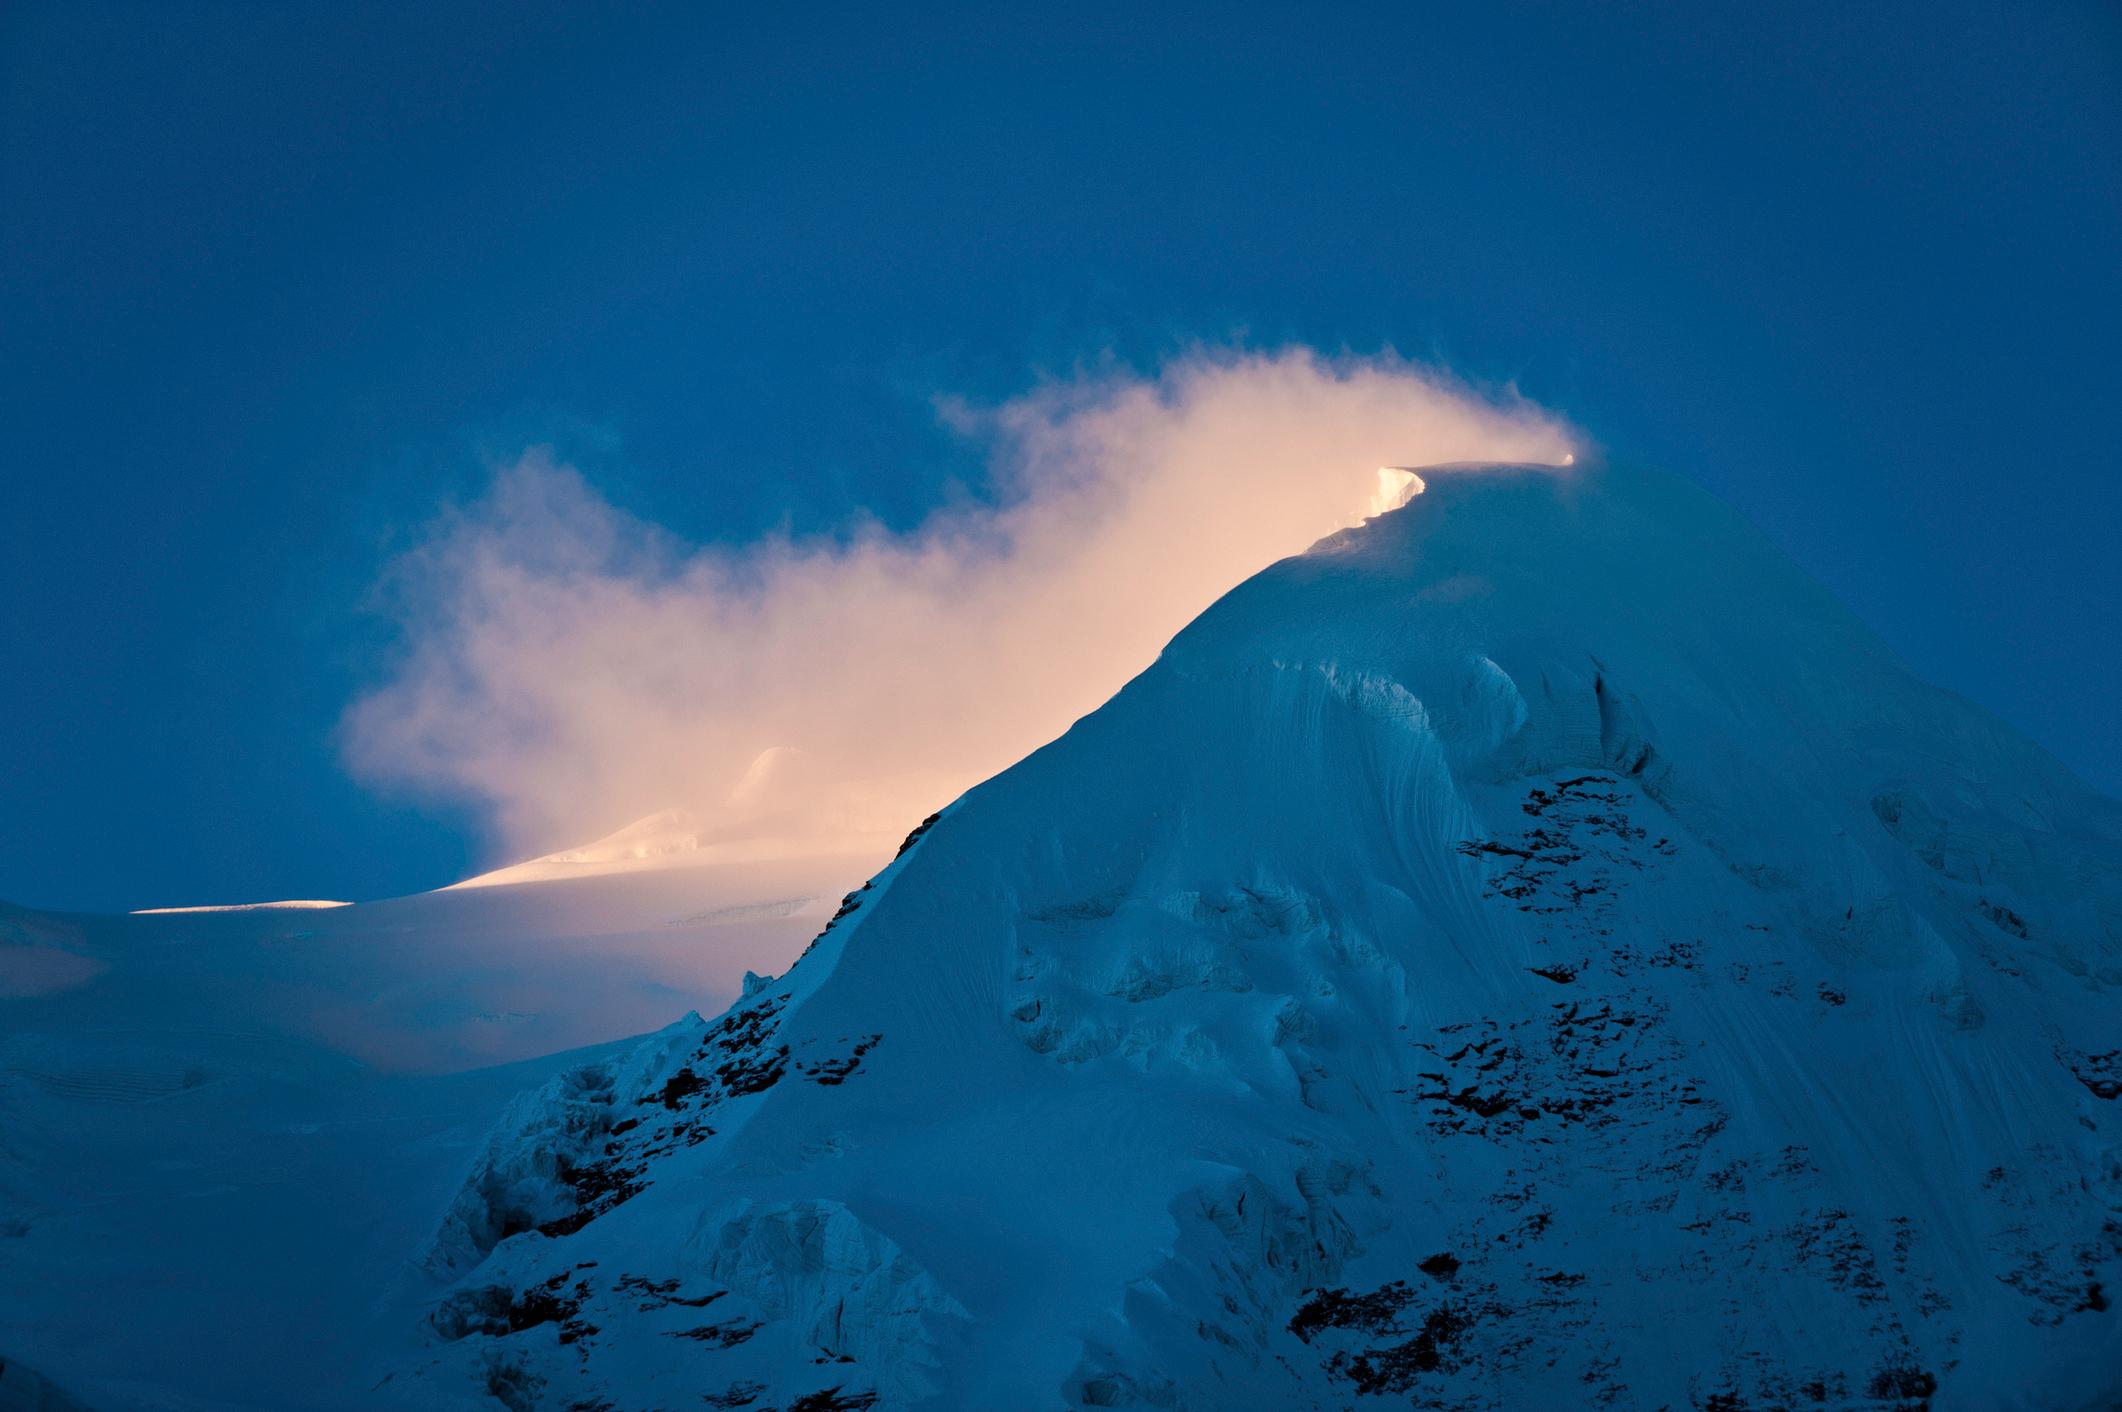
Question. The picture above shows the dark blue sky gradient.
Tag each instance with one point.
(274, 280)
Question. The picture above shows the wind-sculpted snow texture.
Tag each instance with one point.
(1534, 951)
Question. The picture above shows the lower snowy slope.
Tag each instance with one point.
(1533, 951)
(224, 1134)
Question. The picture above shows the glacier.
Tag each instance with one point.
(1533, 950)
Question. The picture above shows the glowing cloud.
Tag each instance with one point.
(570, 669)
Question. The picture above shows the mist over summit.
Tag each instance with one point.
(567, 670)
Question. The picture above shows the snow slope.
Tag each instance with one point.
(679, 838)
(443, 980)
(302, 904)
(1533, 951)
(224, 1134)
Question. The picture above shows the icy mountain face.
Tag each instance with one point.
(1535, 950)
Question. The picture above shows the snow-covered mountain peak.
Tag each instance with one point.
(1533, 950)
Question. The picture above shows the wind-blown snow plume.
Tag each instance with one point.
(569, 667)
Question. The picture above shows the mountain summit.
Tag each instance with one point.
(1535, 950)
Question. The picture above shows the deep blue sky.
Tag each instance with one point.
(275, 278)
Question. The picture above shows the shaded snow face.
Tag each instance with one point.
(1532, 951)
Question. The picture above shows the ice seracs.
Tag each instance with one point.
(1396, 486)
